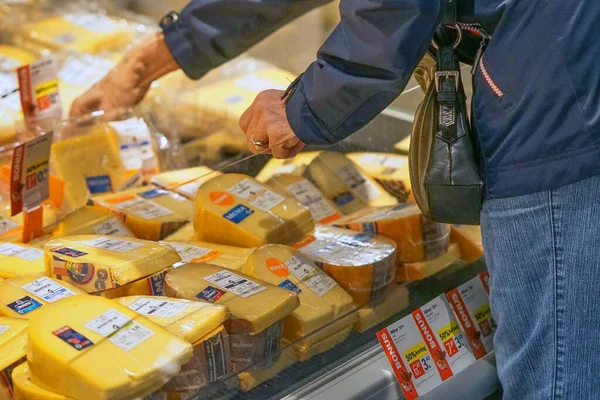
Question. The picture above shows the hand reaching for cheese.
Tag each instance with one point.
(266, 122)
(128, 82)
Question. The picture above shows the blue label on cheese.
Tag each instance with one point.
(24, 305)
(69, 252)
(99, 184)
(238, 213)
(289, 285)
(343, 198)
(151, 194)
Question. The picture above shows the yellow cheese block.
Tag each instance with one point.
(89, 220)
(99, 349)
(417, 238)
(468, 238)
(23, 296)
(152, 285)
(84, 32)
(151, 214)
(396, 300)
(235, 209)
(25, 389)
(184, 233)
(88, 162)
(324, 305)
(190, 320)
(293, 166)
(306, 351)
(420, 270)
(403, 146)
(13, 344)
(250, 379)
(20, 259)
(179, 181)
(346, 183)
(363, 264)
(389, 170)
(96, 263)
(254, 305)
(195, 251)
(322, 209)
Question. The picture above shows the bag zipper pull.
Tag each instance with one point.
(478, 55)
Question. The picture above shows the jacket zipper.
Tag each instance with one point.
(488, 79)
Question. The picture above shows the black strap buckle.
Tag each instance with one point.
(446, 74)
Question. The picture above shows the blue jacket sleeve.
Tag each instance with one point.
(209, 32)
(362, 67)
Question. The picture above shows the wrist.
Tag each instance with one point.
(151, 59)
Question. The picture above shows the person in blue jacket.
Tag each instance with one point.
(536, 117)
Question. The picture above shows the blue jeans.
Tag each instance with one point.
(543, 253)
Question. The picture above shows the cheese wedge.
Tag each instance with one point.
(194, 251)
(293, 166)
(306, 351)
(13, 344)
(24, 296)
(324, 305)
(406, 272)
(468, 238)
(190, 320)
(389, 170)
(362, 264)
(254, 305)
(25, 389)
(89, 220)
(236, 210)
(96, 263)
(99, 349)
(396, 300)
(251, 379)
(186, 232)
(20, 259)
(350, 188)
(179, 181)
(417, 238)
(151, 214)
(89, 162)
(83, 32)
(152, 285)
(322, 209)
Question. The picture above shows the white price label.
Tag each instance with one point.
(112, 244)
(24, 253)
(358, 184)
(189, 253)
(309, 196)
(112, 227)
(234, 283)
(108, 323)
(3, 328)
(256, 194)
(390, 161)
(313, 277)
(158, 308)
(134, 136)
(145, 209)
(48, 290)
(131, 335)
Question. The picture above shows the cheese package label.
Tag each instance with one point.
(151, 214)
(363, 264)
(23, 296)
(13, 345)
(236, 210)
(20, 259)
(137, 153)
(251, 352)
(324, 305)
(90, 220)
(471, 305)
(185, 181)
(396, 299)
(96, 263)
(25, 389)
(196, 251)
(406, 272)
(126, 354)
(291, 166)
(321, 208)
(350, 188)
(389, 170)
(417, 238)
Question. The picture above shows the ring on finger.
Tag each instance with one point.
(256, 143)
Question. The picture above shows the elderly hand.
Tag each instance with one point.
(266, 122)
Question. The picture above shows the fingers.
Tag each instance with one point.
(247, 116)
(85, 104)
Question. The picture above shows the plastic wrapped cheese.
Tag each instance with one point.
(396, 299)
(389, 170)
(468, 238)
(186, 232)
(151, 214)
(94, 348)
(250, 379)
(420, 270)
(363, 264)
(25, 389)
(96, 263)
(350, 188)
(294, 166)
(324, 305)
(20, 259)
(307, 350)
(321, 208)
(151, 285)
(417, 238)
(235, 209)
(13, 344)
(89, 220)
(179, 181)
(24, 296)
(196, 251)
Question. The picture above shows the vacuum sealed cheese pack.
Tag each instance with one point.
(186, 232)
(13, 344)
(417, 238)
(248, 380)
(237, 210)
(184, 181)
(194, 251)
(406, 272)
(89, 220)
(20, 259)
(346, 184)
(361, 263)
(151, 285)
(293, 166)
(305, 351)
(389, 170)
(25, 389)
(95, 348)
(95, 263)
(151, 214)
(396, 299)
